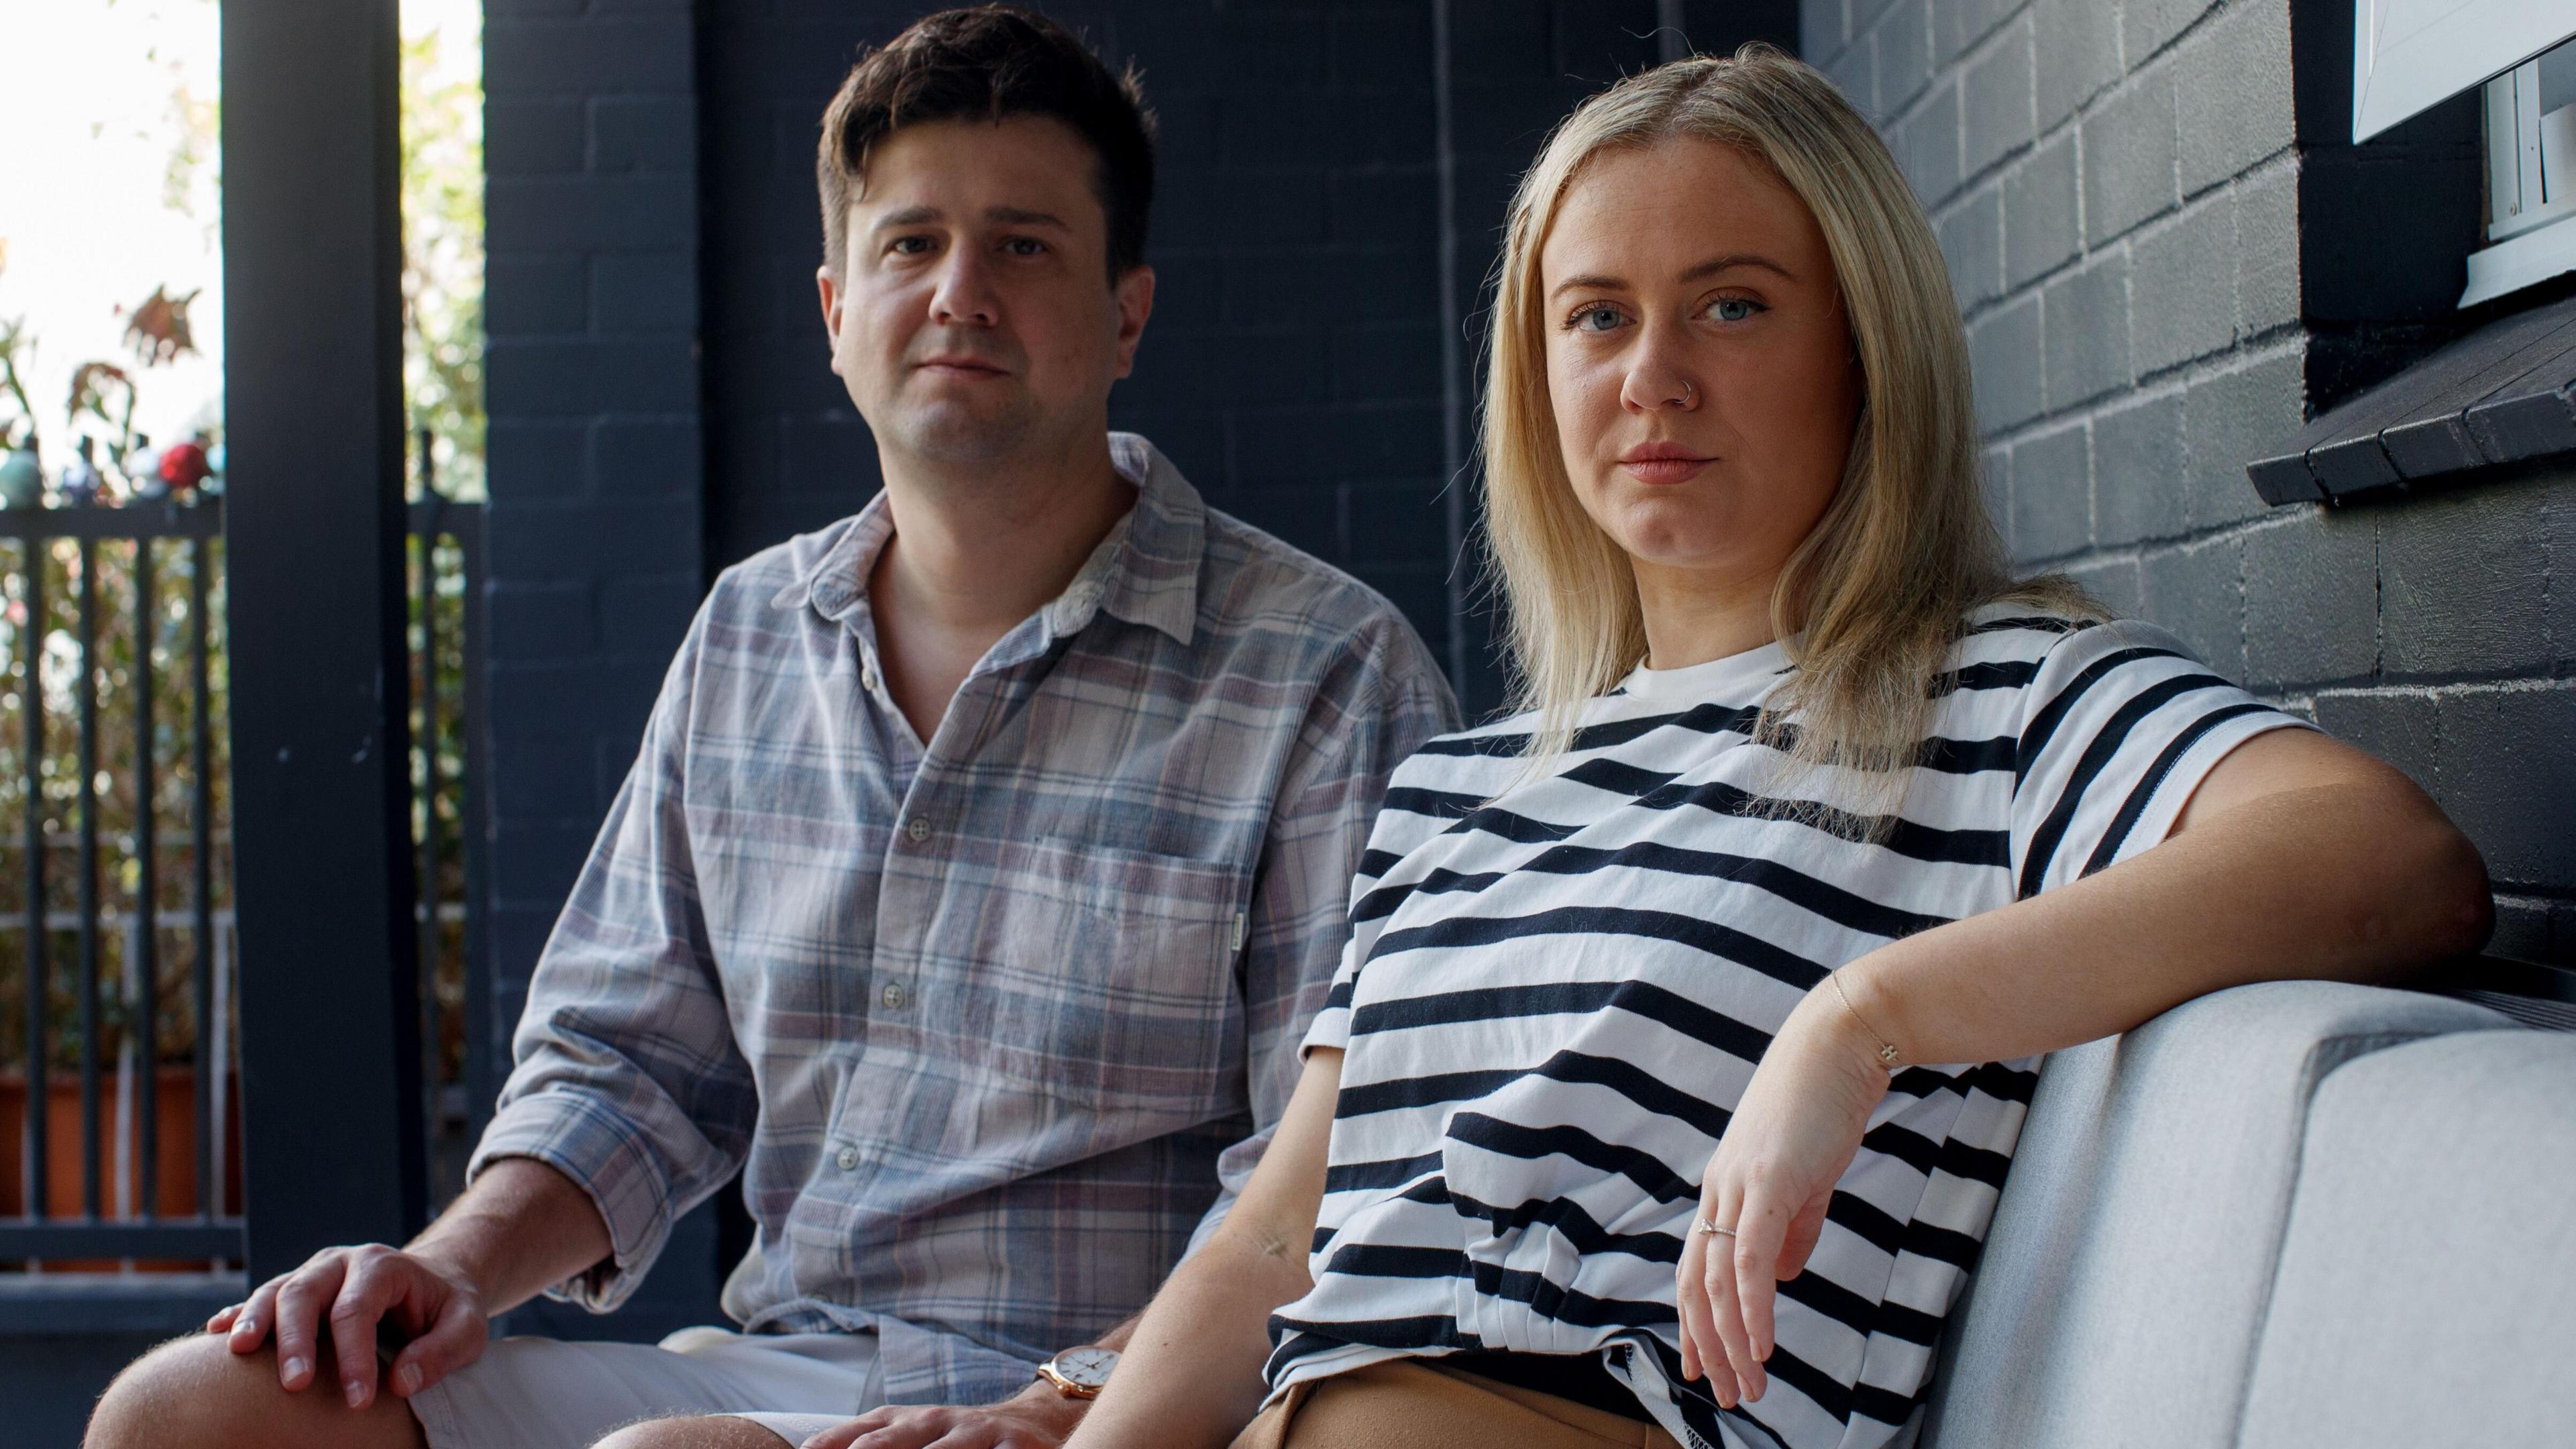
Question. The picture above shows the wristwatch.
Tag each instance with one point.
(1080, 1373)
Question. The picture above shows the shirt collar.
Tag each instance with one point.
(1146, 571)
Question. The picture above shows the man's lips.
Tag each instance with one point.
(960, 367)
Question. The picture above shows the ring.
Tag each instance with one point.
(1703, 1225)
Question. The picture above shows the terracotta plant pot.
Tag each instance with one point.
(176, 1188)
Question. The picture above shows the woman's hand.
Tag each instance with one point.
(1789, 1142)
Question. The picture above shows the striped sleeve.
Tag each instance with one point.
(2120, 724)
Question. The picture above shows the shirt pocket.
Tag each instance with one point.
(1106, 980)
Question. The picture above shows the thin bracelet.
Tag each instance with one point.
(1887, 1054)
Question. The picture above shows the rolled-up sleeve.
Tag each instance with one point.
(627, 1078)
(1372, 711)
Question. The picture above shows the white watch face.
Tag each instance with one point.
(1088, 1367)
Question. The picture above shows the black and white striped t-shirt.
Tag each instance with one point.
(1550, 1003)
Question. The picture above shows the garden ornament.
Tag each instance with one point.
(80, 484)
(183, 465)
(22, 478)
(141, 465)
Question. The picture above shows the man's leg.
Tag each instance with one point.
(196, 1393)
(523, 1393)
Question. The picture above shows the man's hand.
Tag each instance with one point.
(433, 1307)
(1037, 1418)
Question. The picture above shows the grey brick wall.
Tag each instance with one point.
(2165, 263)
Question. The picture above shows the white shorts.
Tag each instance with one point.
(544, 1393)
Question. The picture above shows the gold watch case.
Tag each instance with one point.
(1080, 1373)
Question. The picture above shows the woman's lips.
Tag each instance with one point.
(1662, 465)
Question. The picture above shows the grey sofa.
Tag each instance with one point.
(2288, 1216)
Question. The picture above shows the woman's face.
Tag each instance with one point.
(1697, 360)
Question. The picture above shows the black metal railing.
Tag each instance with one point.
(104, 791)
(448, 771)
(117, 957)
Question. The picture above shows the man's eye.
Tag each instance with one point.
(1734, 309)
(910, 246)
(1025, 246)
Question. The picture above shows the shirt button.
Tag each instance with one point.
(919, 829)
(849, 1158)
(867, 679)
(892, 995)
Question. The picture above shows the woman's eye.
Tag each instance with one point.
(1595, 319)
(1734, 309)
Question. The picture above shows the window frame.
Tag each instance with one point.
(2530, 153)
(2411, 55)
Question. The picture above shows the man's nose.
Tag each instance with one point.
(964, 297)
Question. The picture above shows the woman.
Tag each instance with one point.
(1634, 1110)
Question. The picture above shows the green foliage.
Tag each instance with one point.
(117, 678)
(442, 279)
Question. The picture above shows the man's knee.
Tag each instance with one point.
(712, 1432)
(196, 1393)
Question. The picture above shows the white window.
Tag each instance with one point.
(2411, 55)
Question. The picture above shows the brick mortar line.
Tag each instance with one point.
(2137, 550)
(2146, 228)
(2119, 85)
(2268, 346)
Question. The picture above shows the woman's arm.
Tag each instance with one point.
(2297, 857)
(1191, 1375)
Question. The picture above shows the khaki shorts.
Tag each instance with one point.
(1410, 1403)
(543, 1393)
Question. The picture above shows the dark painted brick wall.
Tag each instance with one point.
(597, 487)
(659, 393)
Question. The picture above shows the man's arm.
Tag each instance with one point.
(1376, 707)
(519, 1228)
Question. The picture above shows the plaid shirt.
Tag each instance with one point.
(986, 1022)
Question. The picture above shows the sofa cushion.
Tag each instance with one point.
(2124, 1277)
(2427, 1289)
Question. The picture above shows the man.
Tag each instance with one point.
(984, 856)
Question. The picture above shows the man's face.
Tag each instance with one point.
(973, 320)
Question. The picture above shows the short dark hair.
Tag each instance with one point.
(986, 63)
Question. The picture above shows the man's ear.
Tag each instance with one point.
(1135, 293)
(828, 289)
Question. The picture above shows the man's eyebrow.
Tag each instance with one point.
(1017, 216)
(906, 216)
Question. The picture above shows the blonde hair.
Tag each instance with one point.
(1871, 603)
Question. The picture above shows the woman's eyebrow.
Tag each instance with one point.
(1732, 260)
(1597, 282)
(1593, 282)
